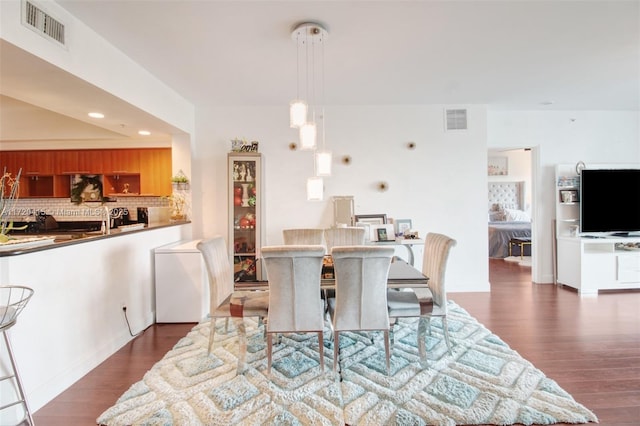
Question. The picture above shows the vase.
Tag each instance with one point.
(245, 195)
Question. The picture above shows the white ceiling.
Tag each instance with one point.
(579, 55)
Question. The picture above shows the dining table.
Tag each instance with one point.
(401, 275)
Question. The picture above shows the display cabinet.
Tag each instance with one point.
(246, 218)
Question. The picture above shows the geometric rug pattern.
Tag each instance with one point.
(482, 382)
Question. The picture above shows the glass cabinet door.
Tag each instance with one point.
(245, 215)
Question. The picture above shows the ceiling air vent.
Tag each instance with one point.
(41, 22)
(456, 119)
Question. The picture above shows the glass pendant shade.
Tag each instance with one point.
(315, 189)
(297, 113)
(308, 136)
(323, 163)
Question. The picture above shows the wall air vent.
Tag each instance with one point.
(41, 22)
(456, 119)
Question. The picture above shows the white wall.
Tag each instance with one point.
(562, 137)
(440, 185)
(90, 57)
(74, 321)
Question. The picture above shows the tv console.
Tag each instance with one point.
(590, 264)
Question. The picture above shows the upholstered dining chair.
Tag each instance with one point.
(349, 236)
(303, 236)
(294, 273)
(360, 302)
(426, 302)
(224, 301)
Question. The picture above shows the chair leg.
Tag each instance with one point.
(212, 333)
(423, 324)
(336, 350)
(445, 331)
(242, 344)
(387, 352)
(269, 349)
(16, 376)
(321, 350)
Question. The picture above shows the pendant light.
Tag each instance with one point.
(315, 188)
(308, 36)
(297, 107)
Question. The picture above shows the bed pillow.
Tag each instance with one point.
(497, 213)
(514, 215)
(497, 216)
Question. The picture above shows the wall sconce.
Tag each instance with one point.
(315, 189)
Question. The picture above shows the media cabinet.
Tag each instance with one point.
(592, 264)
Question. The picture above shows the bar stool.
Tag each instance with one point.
(13, 299)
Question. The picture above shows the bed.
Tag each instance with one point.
(507, 218)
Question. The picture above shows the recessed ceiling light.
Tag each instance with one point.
(96, 115)
(144, 132)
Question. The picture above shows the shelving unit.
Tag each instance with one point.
(589, 264)
(246, 216)
(567, 200)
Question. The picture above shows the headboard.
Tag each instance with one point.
(510, 195)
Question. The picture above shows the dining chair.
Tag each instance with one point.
(306, 236)
(360, 302)
(224, 301)
(348, 236)
(294, 273)
(426, 303)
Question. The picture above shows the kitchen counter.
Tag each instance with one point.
(75, 320)
(59, 239)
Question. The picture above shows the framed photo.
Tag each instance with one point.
(498, 166)
(367, 230)
(402, 225)
(382, 233)
(373, 219)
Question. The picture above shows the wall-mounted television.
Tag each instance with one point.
(610, 201)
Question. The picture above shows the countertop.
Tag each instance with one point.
(64, 239)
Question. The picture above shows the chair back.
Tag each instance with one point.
(434, 266)
(349, 236)
(306, 236)
(294, 274)
(216, 259)
(361, 287)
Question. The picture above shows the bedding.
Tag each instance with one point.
(507, 218)
(501, 232)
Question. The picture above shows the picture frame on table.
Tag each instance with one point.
(373, 219)
(402, 225)
(367, 230)
(382, 233)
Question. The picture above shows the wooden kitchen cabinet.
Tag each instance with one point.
(120, 161)
(155, 171)
(37, 171)
(47, 173)
(71, 162)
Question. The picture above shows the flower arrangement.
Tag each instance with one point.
(178, 203)
(9, 191)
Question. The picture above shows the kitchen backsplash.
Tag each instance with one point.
(64, 210)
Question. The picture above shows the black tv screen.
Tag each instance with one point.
(610, 200)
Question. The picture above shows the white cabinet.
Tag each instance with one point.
(182, 286)
(246, 217)
(592, 264)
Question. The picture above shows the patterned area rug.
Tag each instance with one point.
(483, 382)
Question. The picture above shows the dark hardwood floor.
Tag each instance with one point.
(589, 345)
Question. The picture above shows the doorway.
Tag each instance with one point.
(516, 169)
